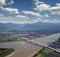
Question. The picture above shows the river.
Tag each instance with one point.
(46, 40)
(25, 49)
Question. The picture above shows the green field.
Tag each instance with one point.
(45, 52)
(5, 52)
(7, 38)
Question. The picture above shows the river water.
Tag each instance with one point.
(22, 48)
(42, 40)
(46, 40)
(25, 49)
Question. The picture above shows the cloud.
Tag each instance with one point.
(2, 2)
(10, 2)
(11, 10)
(15, 20)
(41, 6)
(23, 20)
(21, 16)
(18, 19)
(46, 15)
(47, 20)
(7, 19)
(55, 9)
(8, 10)
(51, 21)
(32, 13)
(26, 17)
(37, 2)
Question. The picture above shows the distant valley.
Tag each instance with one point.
(50, 27)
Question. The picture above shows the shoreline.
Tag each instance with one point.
(24, 49)
(10, 54)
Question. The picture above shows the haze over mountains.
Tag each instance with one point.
(35, 26)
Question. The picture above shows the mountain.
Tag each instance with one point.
(35, 26)
(10, 26)
(42, 26)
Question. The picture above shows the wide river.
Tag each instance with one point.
(22, 48)
(25, 49)
(42, 40)
(46, 40)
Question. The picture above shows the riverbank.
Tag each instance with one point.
(46, 52)
(5, 51)
(22, 48)
(10, 54)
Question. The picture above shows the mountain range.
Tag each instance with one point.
(35, 26)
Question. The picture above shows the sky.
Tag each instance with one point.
(29, 11)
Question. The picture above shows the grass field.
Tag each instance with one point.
(45, 52)
(7, 38)
(5, 52)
